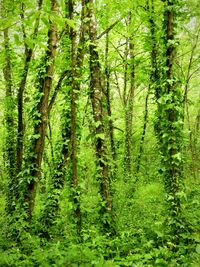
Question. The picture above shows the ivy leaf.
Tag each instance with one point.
(36, 136)
(198, 248)
(97, 124)
(45, 21)
(17, 39)
(177, 156)
(59, 20)
(101, 136)
(29, 42)
(71, 23)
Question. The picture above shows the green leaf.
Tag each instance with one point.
(59, 20)
(198, 248)
(177, 156)
(29, 42)
(101, 136)
(71, 23)
(17, 40)
(45, 21)
(97, 124)
(36, 136)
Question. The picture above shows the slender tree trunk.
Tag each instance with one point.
(170, 135)
(74, 145)
(128, 97)
(108, 105)
(69, 143)
(42, 108)
(96, 95)
(10, 147)
(28, 55)
(141, 148)
(154, 75)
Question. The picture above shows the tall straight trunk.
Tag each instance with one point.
(154, 75)
(20, 96)
(141, 147)
(108, 106)
(42, 109)
(170, 131)
(69, 140)
(96, 96)
(58, 176)
(10, 159)
(128, 96)
(74, 97)
(171, 113)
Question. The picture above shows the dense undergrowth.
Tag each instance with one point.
(141, 238)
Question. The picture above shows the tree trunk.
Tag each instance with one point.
(69, 143)
(10, 147)
(74, 145)
(108, 105)
(42, 108)
(154, 76)
(96, 96)
(141, 148)
(170, 135)
(28, 55)
(128, 97)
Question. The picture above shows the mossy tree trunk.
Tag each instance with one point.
(34, 159)
(66, 159)
(97, 100)
(170, 119)
(28, 52)
(10, 147)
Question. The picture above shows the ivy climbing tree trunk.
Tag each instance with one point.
(40, 128)
(170, 135)
(28, 52)
(10, 146)
(97, 100)
(74, 144)
(66, 158)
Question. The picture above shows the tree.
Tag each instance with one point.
(34, 159)
(97, 100)
(170, 116)
(10, 147)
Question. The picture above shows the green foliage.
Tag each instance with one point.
(155, 214)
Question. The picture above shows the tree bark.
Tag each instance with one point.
(96, 96)
(154, 75)
(108, 105)
(141, 148)
(42, 108)
(170, 135)
(10, 147)
(20, 96)
(74, 97)
(69, 143)
(128, 100)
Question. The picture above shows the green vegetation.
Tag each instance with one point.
(99, 147)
